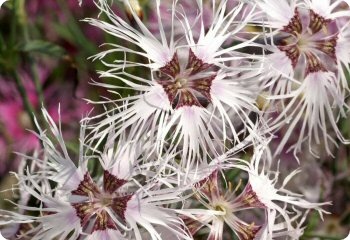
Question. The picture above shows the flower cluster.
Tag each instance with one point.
(183, 148)
(310, 60)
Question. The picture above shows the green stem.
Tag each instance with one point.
(22, 22)
(25, 100)
(36, 79)
(13, 33)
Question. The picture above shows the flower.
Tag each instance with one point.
(188, 93)
(121, 204)
(222, 207)
(262, 209)
(305, 35)
(263, 182)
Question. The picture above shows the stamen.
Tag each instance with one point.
(248, 232)
(238, 185)
(294, 26)
(87, 187)
(313, 64)
(248, 198)
(317, 22)
(103, 222)
(172, 68)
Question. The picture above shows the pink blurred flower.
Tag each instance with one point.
(188, 8)
(50, 25)
(15, 121)
(36, 6)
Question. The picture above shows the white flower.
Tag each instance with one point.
(264, 183)
(308, 58)
(187, 90)
(312, 104)
(125, 201)
(220, 208)
(278, 211)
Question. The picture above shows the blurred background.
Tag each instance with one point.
(44, 51)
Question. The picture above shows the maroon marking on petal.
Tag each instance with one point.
(327, 46)
(191, 94)
(192, 225)
(247, 232)
(317, 22)
(172, 68)
(186, 98)
(196, 64)
(111, 183)
(292, 52)
(103, 222)
(294, 26)
(84, 211)
(313, 64)
(170, 88)
(87, 187)
(211, 178)
(183, 88)
(119, 205)
(249, 199)
(209, 186)
(203, 85)
(305, 44)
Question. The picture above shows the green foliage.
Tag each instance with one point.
(43, 47)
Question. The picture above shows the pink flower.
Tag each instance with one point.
(15, 121)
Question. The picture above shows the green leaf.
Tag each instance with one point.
(39, 46)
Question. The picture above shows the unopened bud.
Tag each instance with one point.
(262, 102)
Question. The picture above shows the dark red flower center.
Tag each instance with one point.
(211, 192)
(310, 42)
(189, 86)
(93, 210)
